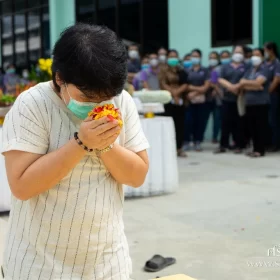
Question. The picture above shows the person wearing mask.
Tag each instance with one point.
(187, 63)
(134, 63)
(225, 57)
(174, 80)
(255, 86)
(162, 55)
(149, 77)
(229, 79)
(137, 83)
(198, 85)
(214, 96)
(25, 77)
(66, 170)
(10, 80)
(248, 55)
(273, 66)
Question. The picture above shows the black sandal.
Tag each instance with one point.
(157, 263)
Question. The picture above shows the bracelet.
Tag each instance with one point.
(107, 149)
(81, 143)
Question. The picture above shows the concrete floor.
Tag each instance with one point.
(223, 216)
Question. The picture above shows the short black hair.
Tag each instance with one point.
(186, 55)
(215, 53)
(198, 51)
(261, 50)
(225, 51)
(241, 46)
(92, 58)
(272, 46)
(173, 50)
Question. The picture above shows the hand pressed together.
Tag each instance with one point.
(99, 134)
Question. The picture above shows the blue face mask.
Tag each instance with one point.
(11, 71)
(195, 60)
(145, 66)
(225, 61)
(79, 109)
(187, 64)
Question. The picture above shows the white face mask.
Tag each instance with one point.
(237, 57)
(133, 54)
(154, 62)
(213, 62)
(256, 60)
(162, 58)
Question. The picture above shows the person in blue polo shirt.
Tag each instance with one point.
(229, 79)
(255, 85)
(149, 77)
(273, 66)
(198, 85)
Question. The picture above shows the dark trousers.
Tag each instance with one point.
(274, 119)
(177, 112)
(216, 111)
(195, 123)
(232, 125)
(257, 121)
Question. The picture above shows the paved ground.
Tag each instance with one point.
(223, 217)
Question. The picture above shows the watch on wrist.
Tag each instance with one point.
(105, 150)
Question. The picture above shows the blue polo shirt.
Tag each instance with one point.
(151, 77)
(273, 69)
(233, 75)
(257, 97)
(197, 78)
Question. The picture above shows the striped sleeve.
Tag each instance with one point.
(24, 129)
(135, 139)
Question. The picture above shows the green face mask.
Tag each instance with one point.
(173, 61)
(79, 109)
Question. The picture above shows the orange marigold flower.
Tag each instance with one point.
(108, 110)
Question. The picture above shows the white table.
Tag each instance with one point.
(163, 173)
(5, 194)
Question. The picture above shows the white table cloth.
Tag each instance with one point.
(5, 194)
(163, 173)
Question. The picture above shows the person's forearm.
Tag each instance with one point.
(251, 87)
(225, 84)
(49, 170)
(125, 166)
(274, 84)
(250, 83)
(183, 88)
(164, 86)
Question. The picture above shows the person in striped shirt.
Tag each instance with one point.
(67, 206)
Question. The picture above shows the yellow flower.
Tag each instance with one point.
(107, 110)
(45, 64)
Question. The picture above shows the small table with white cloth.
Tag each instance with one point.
(163, 173)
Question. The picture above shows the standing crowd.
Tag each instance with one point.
(239, 89)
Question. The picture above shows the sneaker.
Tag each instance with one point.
(198, 147)
(186, 147)
(220, 151)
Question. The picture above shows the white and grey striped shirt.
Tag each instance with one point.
(75, 230)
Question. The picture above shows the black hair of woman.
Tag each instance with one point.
(173, 51)
(92, 58)
(241, 46)
(272, 46)
(197, 51)
(225, 51)
(261, 50)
